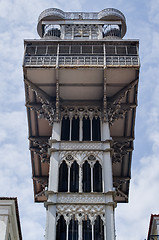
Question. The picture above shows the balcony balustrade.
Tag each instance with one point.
(81, 56)
(81, 61)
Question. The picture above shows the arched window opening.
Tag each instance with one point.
(96, 129)
(75, 129)
(86, 129)
(73, 229)
(86, 177)
(98, 229)
(97, 177)
(74, 177)
(65, 129)
(87, 229)
(61, 229)
(63, 177)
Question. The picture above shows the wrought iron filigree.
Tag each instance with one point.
(120, 150)
(46, 111)
(42, 150)
(117, 183)
(47, 108)
(115, 108)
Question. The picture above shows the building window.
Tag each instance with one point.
(75, 129)
(92, 177)
(91, 230)
(86, 129)
(73, 229)
(90, 181)
(97, 177)
(74, 177)
(9, 237)
(86, 177)
(86, 229)
(98, 229)
(96, 129)
(63, 177)
(65, 129)
(61, 229)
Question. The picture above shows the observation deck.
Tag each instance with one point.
(81, 54)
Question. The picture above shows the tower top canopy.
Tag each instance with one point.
(107, 17)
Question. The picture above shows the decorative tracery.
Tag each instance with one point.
(80, 225)
(84, 175)
(81, 123)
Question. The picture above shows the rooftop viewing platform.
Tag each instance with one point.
(55, 23)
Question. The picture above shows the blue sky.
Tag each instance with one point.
(18, 20)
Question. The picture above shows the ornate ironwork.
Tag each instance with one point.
(76, 111)
(47, 108)
(111, 12)
(46, 111)
(120, 150)
(115, 108)
(69, 157)
(42, 150)
(92, 158)
(42, 181)
(117, 183)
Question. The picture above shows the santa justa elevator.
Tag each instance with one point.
(81, 79)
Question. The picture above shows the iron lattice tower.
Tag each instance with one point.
(81, 82)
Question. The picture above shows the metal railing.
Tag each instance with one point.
(81, 60)
(122, 60)
(153, 237)
(39, 60)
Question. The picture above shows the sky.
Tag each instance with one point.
(18, 20)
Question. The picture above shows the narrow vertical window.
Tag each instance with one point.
(75, 129)
(96, 129)
(74, 177)
(61, 229)
(86, 177)
(63, 177)
(86, 129)
(98, 229)
(65, 129)
(86, 229)
(73, 229)
(97, 177)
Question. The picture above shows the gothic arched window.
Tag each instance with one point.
(63, 177)
(61, 229)
(86, 229)
(86, 177)
(96, 129)
(98, 229)
(65, 129)
(75, 129)
(74, 177)
(73, 229)
(97, 177)
(86, 129)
